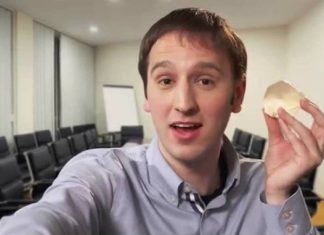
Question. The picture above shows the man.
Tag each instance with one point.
(189, 180)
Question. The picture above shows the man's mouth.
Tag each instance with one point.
(186, 126)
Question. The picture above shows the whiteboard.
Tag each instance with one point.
(120, 107)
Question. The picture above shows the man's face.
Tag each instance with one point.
(189, 92)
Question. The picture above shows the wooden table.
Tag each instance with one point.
(318, 218)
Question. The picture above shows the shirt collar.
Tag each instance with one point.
(158, 168)
(163, 176)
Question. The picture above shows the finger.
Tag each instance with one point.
(305, 135)
(298, 146)
(314, 110)
(274, 132)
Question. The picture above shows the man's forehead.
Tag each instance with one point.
(185, 38)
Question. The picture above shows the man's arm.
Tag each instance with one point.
(294, 150)
(69, 206)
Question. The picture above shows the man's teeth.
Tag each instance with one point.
(185, 125)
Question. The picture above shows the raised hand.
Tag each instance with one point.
(294, 150)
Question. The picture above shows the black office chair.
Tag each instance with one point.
(132, 134)
(43, 137)
(4, 148)
(62, 151)
(242, 143)
(42, 164)
(79, 128)
(78, 143)
(236, 136)
(64, 132)
(256, 147)
(92, 140)
(24, 142)
(12, 190)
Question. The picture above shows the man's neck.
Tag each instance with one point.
(203, 174)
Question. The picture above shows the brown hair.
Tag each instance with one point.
(196, 22)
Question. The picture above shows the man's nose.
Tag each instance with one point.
(185, 99)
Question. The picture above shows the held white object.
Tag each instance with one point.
(281, 94)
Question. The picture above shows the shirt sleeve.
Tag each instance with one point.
(72, 205)
(290, 218)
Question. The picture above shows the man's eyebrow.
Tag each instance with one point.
(162, 64)
(209, 65)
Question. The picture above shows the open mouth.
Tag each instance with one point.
(186, 126)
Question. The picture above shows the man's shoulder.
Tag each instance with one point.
(108, 159)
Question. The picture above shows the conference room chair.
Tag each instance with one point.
(108, 139)
(132, 134)
(61, 151)
(41, 164)
(241, 141)
(92, 140)
(79, 128)
(256, 147)
(4, 148)
(24, 143)
(78, 143)
(43, 137)
(236, 136)
(13, 193)
(64, 132)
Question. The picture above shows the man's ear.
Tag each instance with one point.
(147, 107)
(238, 95)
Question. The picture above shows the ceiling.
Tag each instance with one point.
(125, 20)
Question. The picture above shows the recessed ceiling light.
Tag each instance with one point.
(93, 29)
(113, 1)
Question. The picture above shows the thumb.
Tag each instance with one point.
(274, 131)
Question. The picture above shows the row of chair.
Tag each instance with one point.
(44, 160)
(248, 144)
(39, 158)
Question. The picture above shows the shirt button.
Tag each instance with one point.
(287, 214)
(290, 228)
(187, 189)
(173, 199)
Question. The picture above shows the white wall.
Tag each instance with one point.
(266, 49)
(305, 51)
(116, 64)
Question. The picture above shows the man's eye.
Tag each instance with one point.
(205, 82)
(165, 81)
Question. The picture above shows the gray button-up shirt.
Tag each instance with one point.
(133, 191)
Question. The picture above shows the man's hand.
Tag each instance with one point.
(294, 150)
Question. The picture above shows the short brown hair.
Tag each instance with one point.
(196, 22)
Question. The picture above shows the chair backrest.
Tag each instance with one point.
(62, 151)
(43, 137)
(308, 181)
(41, 163)
(236, 136)
(65, 132)
(25, 142)
(4, 148)
(90, 139)
(90, 126)
(131, 133)
(78, 143)
(256, 147)
(243, 143)
(11, 183)
(79, 129)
